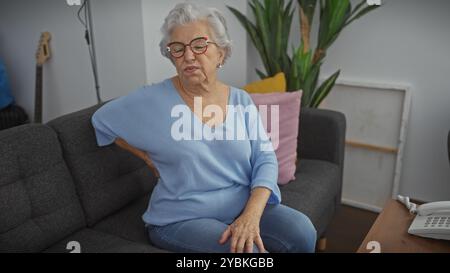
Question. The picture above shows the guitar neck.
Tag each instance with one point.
(38, 95)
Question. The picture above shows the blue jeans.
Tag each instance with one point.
(282, 229)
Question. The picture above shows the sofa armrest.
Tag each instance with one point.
(322, 137)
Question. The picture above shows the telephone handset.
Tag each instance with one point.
(432, 220)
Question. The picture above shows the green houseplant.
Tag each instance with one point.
(270, 35)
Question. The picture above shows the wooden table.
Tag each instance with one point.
(390, 230)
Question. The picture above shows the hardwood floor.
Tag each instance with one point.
(348, 229)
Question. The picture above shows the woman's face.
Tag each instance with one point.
(196, 68)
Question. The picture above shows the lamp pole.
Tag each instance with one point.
(91, 44)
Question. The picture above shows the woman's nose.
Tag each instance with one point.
(188, 54)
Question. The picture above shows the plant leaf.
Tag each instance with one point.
(308, 6)
(358, 6)
(339, 10)
(261, 23)
(324, 90)
(254, 36)
(310, 83)
(260, 74)
(361, 13)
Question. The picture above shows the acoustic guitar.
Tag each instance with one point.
(42, 55)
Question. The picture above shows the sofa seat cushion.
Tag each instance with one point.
(313, 190)
(92, 241)
(127, 223)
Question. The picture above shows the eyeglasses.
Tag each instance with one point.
(198, 46)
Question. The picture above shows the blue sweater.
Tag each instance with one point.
(202, 174)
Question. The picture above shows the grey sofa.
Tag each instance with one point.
(58, 186)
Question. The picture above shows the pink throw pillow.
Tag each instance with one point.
(289, 115)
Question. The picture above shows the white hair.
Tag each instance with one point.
(184, 13)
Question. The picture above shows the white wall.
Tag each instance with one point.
(405, 41)
(120, 46)
(408, 41)
(127, 35)
(158, 67)
(68, 82)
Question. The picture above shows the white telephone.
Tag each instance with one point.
(432, 220)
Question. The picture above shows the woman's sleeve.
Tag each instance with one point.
(263, 159)
(112, 120)
(103, 122)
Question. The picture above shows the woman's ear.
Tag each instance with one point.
(221, 56)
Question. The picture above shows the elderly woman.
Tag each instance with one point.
(212, 195)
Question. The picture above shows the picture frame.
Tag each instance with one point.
(377, 118)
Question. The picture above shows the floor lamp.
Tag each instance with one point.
(90, 33)
(87, 22)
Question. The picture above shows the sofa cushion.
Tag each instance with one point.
(314, 189)
(277, 83)
(127, 222)
(106, 178)
(284, 137)
(91, 241)
(38, 202)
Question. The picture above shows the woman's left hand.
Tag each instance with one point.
(244, 231)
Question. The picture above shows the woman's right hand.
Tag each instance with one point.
(139, 153)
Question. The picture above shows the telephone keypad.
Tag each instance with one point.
(439, 221)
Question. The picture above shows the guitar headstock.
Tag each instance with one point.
(43, 51)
